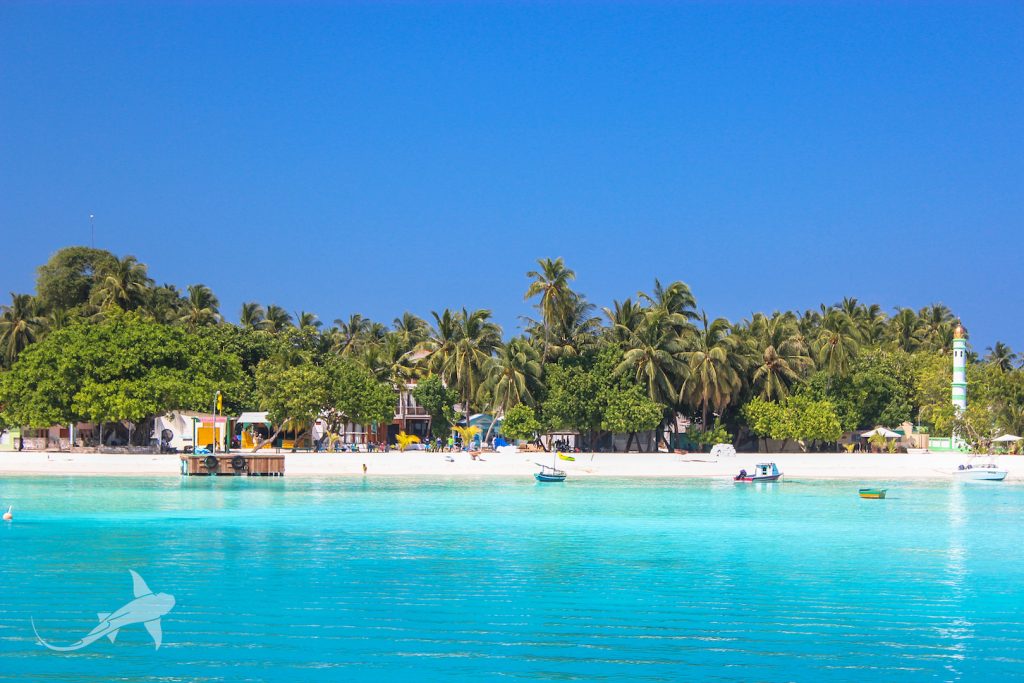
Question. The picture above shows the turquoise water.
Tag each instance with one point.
(413, 579)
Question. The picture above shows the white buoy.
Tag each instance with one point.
(7, 515)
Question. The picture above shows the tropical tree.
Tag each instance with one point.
(552, 285)
(252, 315)
(623, 317)
(676, 301)
(352, 333)
(20, 325)
(714, 368)
(837, 342)
(1001, 356)
(513, 376)
(307, 321)
(476, 340)
(201, 308)
(121, 284)
(653, 357)
(276, 319)
(411, 330)
(778, 354)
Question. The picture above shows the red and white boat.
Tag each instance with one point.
(764, 471)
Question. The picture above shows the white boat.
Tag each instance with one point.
(982, 471)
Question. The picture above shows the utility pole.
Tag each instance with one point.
(92, 228)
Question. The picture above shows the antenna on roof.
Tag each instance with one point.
(92, 228)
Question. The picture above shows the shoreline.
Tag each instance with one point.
(932, 466)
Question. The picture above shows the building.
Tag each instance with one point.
(959, 385)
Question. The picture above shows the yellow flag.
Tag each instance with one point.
(220, 402)
(563, 456)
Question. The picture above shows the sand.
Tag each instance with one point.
(795, 466)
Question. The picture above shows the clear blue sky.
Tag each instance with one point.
(378, 158)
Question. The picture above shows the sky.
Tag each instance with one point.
(383, 157)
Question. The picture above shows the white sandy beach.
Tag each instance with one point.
(795, 466)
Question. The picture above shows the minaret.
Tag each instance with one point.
(959, 368)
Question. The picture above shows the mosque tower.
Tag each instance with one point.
(959, 368)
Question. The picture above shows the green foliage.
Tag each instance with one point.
(520, 423)
(124, 368)
(297, 393)
(799, 417)
(65, 281)
(630, 410)
(709, 437)
(357, 396)
(439, 401)
(878, 389)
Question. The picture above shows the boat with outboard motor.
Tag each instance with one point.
(980, 471)
(764, 471)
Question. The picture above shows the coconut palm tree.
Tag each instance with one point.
(778, 354)
(411, 329)
(577, 332)
(306, 320)
(352, 333)
(513, 376)
(252, 315)
(837, 342)
(714, 368)
(123, 284)
(201, 308)
(871, 324)
(20, 325)
(623, 317)
(676, 301)
(551, 284)
(653, 356)
(906, 330)
(440, 344)
(1001, 356)
(390, 360)
(475, 342)
(276, 319)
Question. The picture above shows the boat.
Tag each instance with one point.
(983, 471)
(764, 471)
(549, 474)
(872, 493)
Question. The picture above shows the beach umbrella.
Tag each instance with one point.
(887, 433)
(1007, 437)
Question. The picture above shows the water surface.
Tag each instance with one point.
(501, 578)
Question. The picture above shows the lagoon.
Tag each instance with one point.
(470, 579)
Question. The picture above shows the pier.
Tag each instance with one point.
(233, 465)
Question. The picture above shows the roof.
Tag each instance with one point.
(253, 418)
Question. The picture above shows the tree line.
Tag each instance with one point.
(100, 341)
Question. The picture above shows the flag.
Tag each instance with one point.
(220, 402)
(563, 456)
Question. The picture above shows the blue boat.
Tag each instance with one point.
(549, 474)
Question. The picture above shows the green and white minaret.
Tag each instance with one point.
(959, 368)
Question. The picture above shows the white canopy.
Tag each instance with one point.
(1007, 437)
(253, 418)
(887, 433)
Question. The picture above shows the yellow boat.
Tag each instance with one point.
(872, 493)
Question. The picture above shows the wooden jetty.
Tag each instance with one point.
(233, 465)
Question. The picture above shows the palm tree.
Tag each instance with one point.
(653, 356)
(1001, 356)
(201, 308)
(121, 284)
(306, 320)
(476, 340)
(714, 368)
(905, 330)
(441, 343)
(778, 353)
(276, 319)
(252, 315)
(577, 332)
(513, 376)
(164, 303)
(20, 325)
(676, 301)
(871, 324)
(837, 342)
(551, 284)
(390, 360)
(624, 317)
(411, 329)
(351, 333)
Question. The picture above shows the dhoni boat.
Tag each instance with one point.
(552, 473)
(764, 471)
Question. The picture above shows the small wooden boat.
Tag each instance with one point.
(549, 474)
(872, 493)
(765, 471)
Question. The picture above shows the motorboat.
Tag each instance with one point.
(764, 471)
(982, 471)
